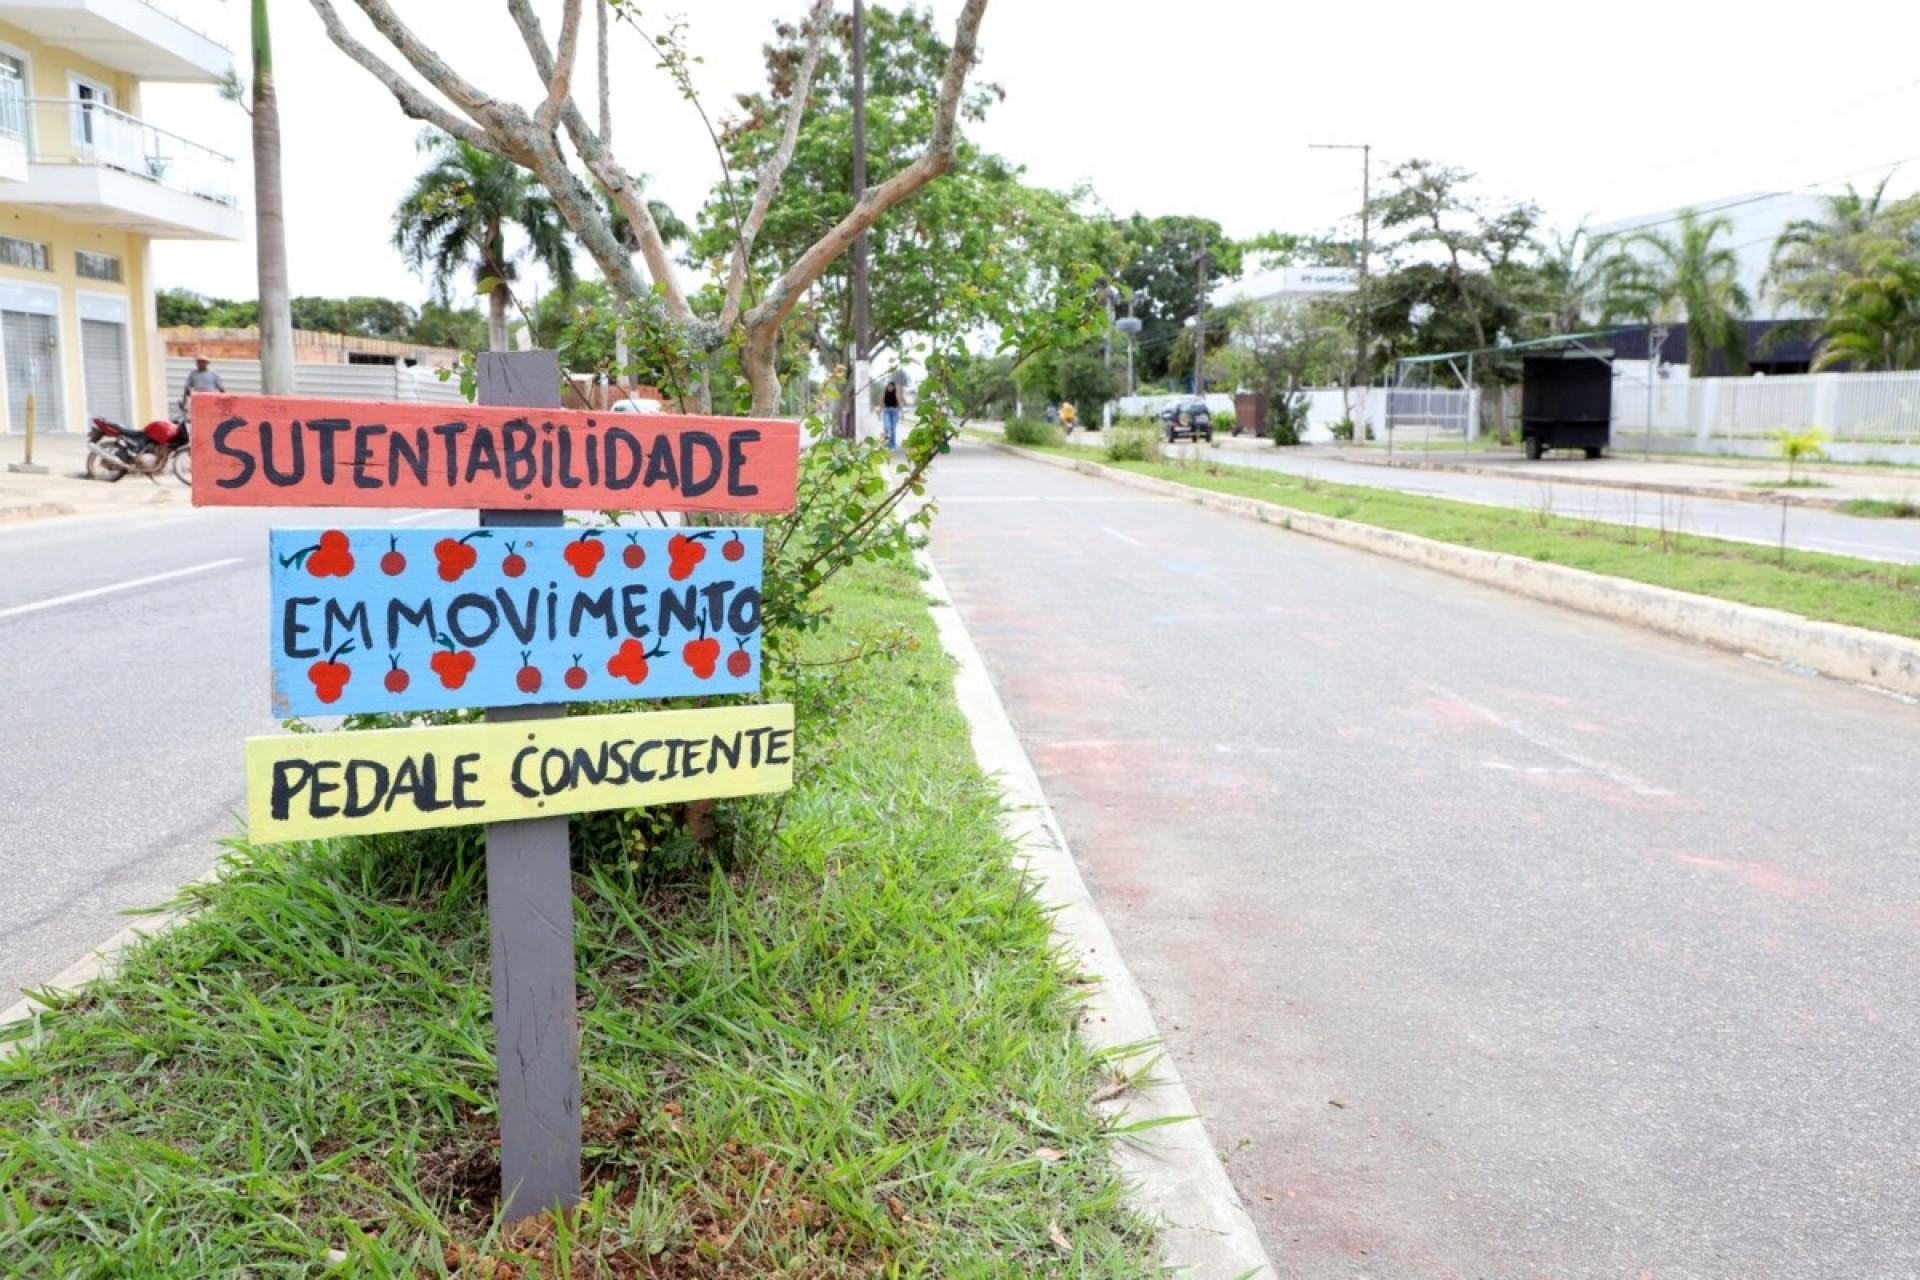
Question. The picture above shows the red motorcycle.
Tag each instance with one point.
(113, 451)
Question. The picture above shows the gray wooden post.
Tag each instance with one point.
(536, 1026)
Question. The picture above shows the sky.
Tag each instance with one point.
(1214, 108)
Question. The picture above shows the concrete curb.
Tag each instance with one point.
(1175, 1171)
(97, 964)
(1763, 497)
(1853, 654)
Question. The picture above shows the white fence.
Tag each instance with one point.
(331, 381)
(1851, 408)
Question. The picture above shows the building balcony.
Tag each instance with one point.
(92, 164)
(169, 40)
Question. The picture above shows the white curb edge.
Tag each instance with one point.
(1177, 1176)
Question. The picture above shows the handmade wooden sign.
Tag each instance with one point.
(270, 451)
(436, 619)
(313, 785)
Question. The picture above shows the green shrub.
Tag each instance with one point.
(1343, 429)
(1287, 418)
(1031, 431)
(1137, 440)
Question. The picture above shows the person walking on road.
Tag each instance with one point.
(890, 412)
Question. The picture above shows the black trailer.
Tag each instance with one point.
(1566, 400)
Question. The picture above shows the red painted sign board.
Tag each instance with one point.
(268, 451)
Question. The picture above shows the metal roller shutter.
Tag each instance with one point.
(103, 357)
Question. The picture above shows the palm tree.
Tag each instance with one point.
(1663, 279)
(1875, 322)
(1815, 258)
(270, 219)
(1569, 278)
(458, 215)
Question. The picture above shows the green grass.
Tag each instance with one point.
(1879, 508)
(1862, 593)
(847, 1051)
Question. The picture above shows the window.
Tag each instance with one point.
(96, 266)
(30, 254)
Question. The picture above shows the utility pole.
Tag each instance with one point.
(1200, 324)
(1362, 373)
(860, 376)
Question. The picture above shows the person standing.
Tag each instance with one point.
(203, 378)
(890, 412)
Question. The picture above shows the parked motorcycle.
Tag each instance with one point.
(113, 451)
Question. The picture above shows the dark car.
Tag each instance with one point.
(1189, 418)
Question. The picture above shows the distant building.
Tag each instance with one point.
(1287, 282)
(1757, 219)
(86, 187)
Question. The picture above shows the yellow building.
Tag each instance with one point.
(86, 186)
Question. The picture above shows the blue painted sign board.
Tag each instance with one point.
(369, 620)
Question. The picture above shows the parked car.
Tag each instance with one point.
(1189, 418)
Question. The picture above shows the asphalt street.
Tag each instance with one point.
(137, 665)
(1491, 940)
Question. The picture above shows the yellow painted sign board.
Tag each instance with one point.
(317, 785)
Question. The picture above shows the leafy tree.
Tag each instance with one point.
(355, 317)
(1875, 322)
(1568, 279)
(458, 213)
(1280, 345)
(1174, 263)
(556, 132)
(1478, 253)
(176, 308)
(1815, 259)
(1665, 278)
(920, 265)
(440, 325)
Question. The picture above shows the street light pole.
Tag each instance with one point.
(1362, 373)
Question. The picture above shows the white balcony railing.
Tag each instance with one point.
(74, 131)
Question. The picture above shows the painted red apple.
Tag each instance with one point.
(529, 677)
(584, 553)
(701, 656)
(685, 551)
(331, 557)
(735, 548)
(739, 662)
(576, 676)
(635, 555)
(397, 678)
(630, 663)
(515, 564)
(330, 675)
(456, 555)
(451, 663)
(393, 564)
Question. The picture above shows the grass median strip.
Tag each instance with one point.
(848, 1050)
(1875, 595)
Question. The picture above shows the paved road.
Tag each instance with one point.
(1492, 940)
(136, 664)
(1538, 487)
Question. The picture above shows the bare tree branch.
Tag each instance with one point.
(606, 93)
(419, 55)
(763, 322)
(560, 83)
(598, 156)
(411, 100)
(767, 183)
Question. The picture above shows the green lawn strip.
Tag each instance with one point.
(1862, 593)
(847, 1053)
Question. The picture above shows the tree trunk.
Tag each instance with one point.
(270, 220)
(497, 338)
